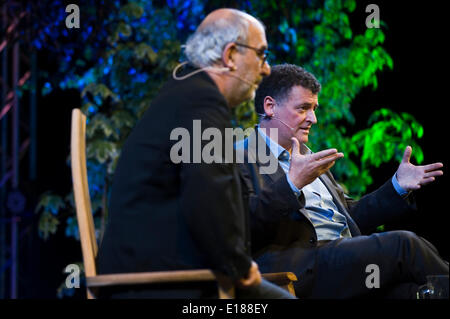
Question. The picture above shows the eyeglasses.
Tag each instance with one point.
(262, 53)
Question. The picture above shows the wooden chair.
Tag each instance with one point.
(89, 243)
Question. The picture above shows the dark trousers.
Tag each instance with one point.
(266, 290)
(202, 290)
(346, 268)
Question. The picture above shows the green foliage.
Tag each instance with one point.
(116, 87)
(119, 73)
(49, 206)
(388, 137)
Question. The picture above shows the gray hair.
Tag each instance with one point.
(205, 47)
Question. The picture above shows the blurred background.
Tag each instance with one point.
(384, 87)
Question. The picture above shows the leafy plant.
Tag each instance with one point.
(130, 48)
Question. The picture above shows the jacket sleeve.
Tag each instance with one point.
(270, 202)
(384, 205)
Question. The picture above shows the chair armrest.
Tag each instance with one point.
(150, 277)
(283, 279)
(280, 278)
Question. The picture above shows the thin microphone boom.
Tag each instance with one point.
(291, 128)
(218, 70)
(243, 80)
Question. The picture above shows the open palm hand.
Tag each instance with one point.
(411, 177)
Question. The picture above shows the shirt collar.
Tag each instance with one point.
(276, 148)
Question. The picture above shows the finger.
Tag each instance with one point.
(295, 146)
(432, 167)
(329, 158)
(426, 181)
(326, 168)
(324, 153)
(328, 162)
(253, 278)
(407, 154)
(413, 188)
(245, 282)
(433, 174)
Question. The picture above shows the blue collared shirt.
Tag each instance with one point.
(328, 222)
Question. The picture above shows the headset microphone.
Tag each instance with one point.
(255, 86)
(208, 68)
(211, 69)
(267, 117)
(216, 69)
(291, 128)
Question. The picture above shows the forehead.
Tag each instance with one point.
(299, 95)
(256, 35)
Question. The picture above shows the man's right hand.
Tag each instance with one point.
(253, 278)
(305, 169)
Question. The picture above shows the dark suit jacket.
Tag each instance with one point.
(283, 237)
(166, 216)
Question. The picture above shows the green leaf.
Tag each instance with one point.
(122, 118)
(124, 29)
(143, 50)
(101, 124)
(48, 225)
(100, 150)
(50, 203)
(132, 10)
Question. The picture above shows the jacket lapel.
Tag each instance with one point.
(255, 144)
(339, 199)
(270, 178)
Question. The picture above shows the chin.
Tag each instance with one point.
(252, 95)
(302, 138)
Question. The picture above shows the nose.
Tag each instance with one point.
(312, 117)
(265, 71)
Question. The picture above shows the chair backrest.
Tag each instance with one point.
(81, 192)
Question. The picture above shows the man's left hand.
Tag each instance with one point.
(411, 177)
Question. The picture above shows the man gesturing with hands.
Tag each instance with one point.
(304, 169)
(303, 222)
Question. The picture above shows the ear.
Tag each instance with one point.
(269, 104)
(229, 56)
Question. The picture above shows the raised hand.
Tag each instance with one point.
(305, 169)
(411, 177)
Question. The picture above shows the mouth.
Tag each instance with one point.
(305, 129)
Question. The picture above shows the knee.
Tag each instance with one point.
(405, 238)
(406, 235)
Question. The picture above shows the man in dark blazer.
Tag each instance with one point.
(301, 220)
(172, 214)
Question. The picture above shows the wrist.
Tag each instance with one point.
(399, 188)
(294, 180)
(292, 185)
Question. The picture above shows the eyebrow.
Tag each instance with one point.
(306, 104)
